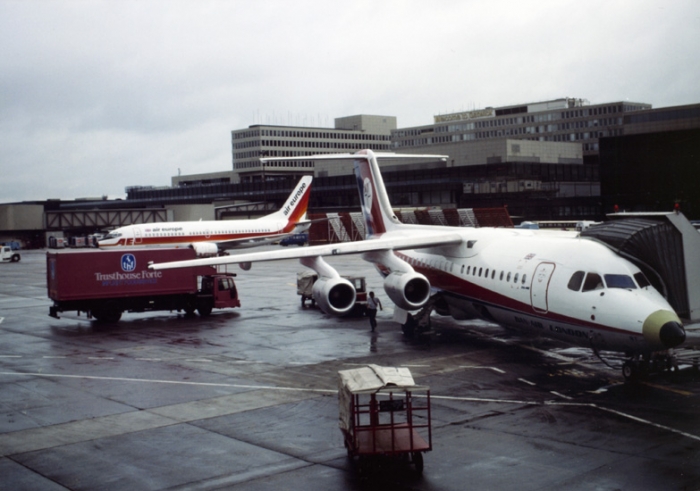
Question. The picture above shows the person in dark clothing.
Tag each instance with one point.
(372, 304)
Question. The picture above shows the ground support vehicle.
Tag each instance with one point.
(381, 417)
(7, 255)
(106, 283)
(305, 286)
(296, 239)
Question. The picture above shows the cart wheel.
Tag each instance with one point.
(418, 462)
(361, 466)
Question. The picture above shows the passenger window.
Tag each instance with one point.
(620, 281)
(508, 277)
(593, 282)
(515, 280)
(524, 276)
(642, 280)
(486, 274)
(462, 268)
(480, 271)
(576, 280)
(493, 274)
(501, 277)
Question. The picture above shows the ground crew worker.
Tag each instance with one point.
(372, 304)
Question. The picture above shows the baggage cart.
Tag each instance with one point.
(383, 413)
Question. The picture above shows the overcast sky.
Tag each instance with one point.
(99, 95)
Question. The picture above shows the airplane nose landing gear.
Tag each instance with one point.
(638, 367)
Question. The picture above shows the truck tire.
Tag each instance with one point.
(189, 306)
(204, 309)
(15, 258)
(108, 313)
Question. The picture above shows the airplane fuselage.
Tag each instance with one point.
(522, 279)
(183, 234)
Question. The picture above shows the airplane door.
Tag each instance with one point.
(138, 236)
(539, 286)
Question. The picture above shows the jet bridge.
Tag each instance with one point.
(666, 247)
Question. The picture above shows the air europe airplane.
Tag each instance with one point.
(208, 237)
(554, 284)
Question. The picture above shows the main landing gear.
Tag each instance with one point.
(639, 367)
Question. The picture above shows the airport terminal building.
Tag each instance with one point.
(559, 159)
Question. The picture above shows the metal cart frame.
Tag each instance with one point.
(381, 416)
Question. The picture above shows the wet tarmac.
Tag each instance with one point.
(246, 399)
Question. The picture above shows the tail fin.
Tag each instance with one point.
(294, 209)
(376, 208)
(379, 217)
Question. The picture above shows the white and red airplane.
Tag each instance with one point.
(209, 236)
(554, 284)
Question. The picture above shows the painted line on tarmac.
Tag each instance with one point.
(661, 387)
(335, 391)
(171, 382)
(560, 395)
(1, 319)
(527, 382)
(571, 404)
(486, 368)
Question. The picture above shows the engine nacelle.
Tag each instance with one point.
(245, 266)
(205, 249)
(335, 296)
(409, 291)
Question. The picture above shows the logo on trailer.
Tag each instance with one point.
(367, 193)
(128, 262)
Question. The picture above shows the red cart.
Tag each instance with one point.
(384, 413)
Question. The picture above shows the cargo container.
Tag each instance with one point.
(105, 283)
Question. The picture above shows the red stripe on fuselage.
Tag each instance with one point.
(479, 294)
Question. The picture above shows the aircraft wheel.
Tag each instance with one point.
(630, 371)
(409, 328)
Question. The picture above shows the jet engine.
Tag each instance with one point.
(334, 296)
(205, 249)
(409, 291)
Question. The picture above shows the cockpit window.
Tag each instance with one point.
(593, 282)
(642, 280)
(619, 281)
(112, 236)
(576, 280)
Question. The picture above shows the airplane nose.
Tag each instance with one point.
(663, 328)
(671, 334)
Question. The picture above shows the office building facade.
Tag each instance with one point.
(350, 134)
(559, 120)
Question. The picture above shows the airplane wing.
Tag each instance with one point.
(383, 243)
(251, 241)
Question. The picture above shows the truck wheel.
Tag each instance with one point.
(15, 258)
(110, 313)
(189, 307)
(204, 310)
